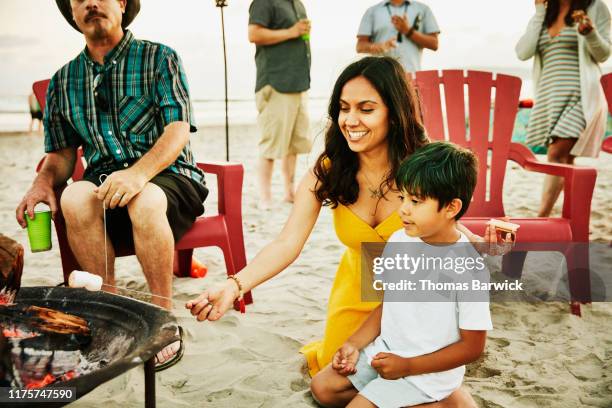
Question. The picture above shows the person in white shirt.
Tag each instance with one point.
(412, 352)
(400, 29)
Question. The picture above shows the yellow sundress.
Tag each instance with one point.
(345, 310)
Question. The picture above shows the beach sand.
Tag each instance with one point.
(538, 355)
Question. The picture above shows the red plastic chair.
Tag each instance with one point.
(223, 230)
(494, 148)
(606, 83)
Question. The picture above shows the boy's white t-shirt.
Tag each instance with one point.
(411, 329)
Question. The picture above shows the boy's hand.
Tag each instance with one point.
(494, 242)
(498, 242)
(390, 366)
(345, 359)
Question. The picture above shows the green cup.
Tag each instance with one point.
(39, 231)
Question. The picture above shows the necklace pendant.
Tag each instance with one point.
(375, 193)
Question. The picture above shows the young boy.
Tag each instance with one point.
(408, 353)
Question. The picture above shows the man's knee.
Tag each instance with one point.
(79, 203)
(148, 205)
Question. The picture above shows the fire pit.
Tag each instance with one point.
(123, 333)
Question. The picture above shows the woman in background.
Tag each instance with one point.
(568, 39)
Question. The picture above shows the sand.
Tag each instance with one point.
(538, 355)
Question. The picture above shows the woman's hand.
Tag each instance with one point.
(345, 359)
(212, 304)
(585, 25)
(540, 2)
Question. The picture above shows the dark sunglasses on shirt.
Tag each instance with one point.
(99, 97)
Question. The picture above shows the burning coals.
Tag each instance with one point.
(39, 346)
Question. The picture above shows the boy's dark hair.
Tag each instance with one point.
(440, 170)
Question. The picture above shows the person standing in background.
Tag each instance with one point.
(280, 31)
(567, 39)
(400, 29)
(35, 114)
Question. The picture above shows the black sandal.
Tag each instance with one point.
(175, 358)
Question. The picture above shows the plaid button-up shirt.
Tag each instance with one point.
(146, 89)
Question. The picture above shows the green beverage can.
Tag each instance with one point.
(39, 231)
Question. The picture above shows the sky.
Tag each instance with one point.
(35, 40)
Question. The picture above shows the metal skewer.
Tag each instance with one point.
(108, 286)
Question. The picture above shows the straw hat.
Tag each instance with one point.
(132, 8)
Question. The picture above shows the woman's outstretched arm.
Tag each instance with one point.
(271, 260)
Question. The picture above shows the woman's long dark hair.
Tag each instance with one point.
(336, 168)
(553, 6)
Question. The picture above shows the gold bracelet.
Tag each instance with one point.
(235, 279)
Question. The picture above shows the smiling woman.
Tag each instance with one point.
(376, 118)
(359, 118)
(373, 128)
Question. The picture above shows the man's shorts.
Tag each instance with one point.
(385, 393)
(185, 203)
(283, 123)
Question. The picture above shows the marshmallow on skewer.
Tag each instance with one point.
(503, 225)
(82, 279)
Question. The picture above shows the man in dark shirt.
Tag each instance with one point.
(281, 32)
(126, 103)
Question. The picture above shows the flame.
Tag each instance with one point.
(68, 375)
(7, 296)
(17, 333)
(48, 379)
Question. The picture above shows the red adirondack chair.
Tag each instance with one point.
(606, 83)
(223, 230)
(494, 148)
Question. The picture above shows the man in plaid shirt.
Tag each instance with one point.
(126, 103)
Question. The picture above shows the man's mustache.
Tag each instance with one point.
(93, 14)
